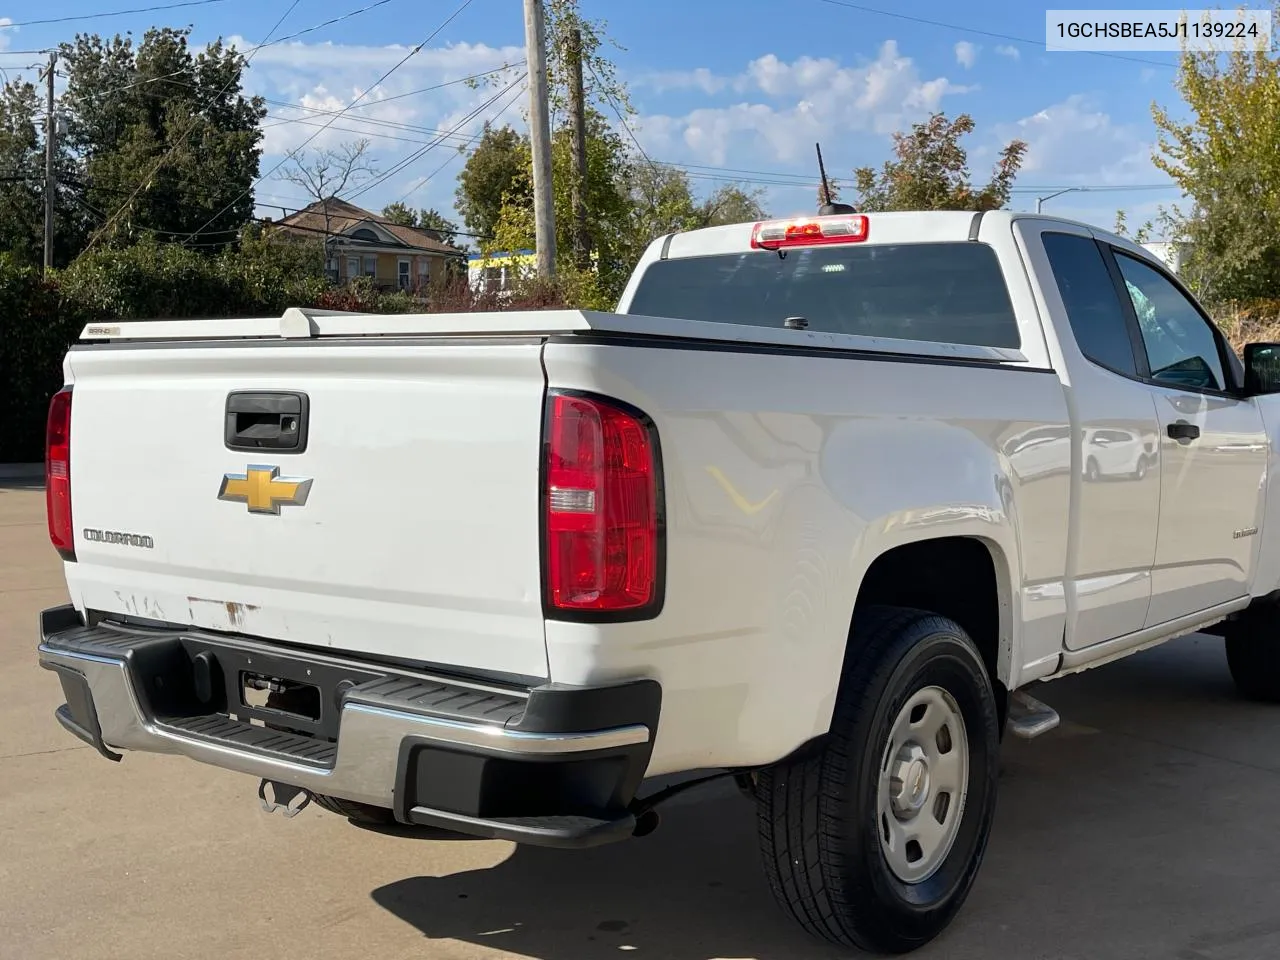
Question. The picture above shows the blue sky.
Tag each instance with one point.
(741, 84)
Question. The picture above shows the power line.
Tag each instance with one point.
(789, 179)
(321, 26)
(113, 13)
(250, 54)
(986, 33)
(182, 139)
(302, 204)
(617, 110)
(398, 96)
(293, 153)
(419, 154)
(320, 111)
(429, 177)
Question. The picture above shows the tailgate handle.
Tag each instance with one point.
(266, 421)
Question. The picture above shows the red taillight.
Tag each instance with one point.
(809, 231)
(600, 503)
(57, 474)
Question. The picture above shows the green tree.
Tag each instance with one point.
(166, 141)
(1226, 159)
(497, 169)
(425, 219)
(731, 204)
(22, 183)
(930, 171)
(398, 213)
(608, 205)
(662, 202)
(435, 221)
(21, 173)
(629, 199)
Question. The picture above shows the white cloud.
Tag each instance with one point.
(966, 54)
(1075, 142)
(1006, 50)
(310, 83)
(698, 79)
(810, 98)
(6, 35)
(456, 59)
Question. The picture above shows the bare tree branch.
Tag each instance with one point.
(326, 174)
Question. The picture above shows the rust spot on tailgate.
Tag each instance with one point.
(218, 614)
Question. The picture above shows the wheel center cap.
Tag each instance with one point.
(910, 782)
(916, 784)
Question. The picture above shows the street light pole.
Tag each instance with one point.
(1040, 200)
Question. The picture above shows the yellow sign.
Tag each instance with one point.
(264, 490)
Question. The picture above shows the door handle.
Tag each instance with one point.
(1181, 430)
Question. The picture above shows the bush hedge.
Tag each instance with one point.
(42, 318)
(37, 329)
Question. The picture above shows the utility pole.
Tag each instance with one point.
(544, 212)
(578, 158)
(50, 149)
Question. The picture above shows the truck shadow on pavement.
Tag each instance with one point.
(1135, 830)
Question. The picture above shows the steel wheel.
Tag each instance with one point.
(924, 776)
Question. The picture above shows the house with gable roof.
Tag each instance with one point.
(365, 244)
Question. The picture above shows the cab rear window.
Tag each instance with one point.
(938, 292)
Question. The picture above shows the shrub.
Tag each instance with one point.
(1254, 322)
(456, 296)
(37, 329)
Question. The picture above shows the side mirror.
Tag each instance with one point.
(1262, 368)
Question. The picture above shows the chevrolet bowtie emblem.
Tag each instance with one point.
(263, 489)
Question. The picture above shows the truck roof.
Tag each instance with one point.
(916, 226)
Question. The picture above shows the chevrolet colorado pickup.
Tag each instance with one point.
(813, 509)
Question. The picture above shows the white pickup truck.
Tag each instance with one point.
(808, 510)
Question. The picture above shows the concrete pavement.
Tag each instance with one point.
(1145, 827)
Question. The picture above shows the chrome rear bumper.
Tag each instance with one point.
(115, 680)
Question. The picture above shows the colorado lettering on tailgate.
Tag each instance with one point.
(123, 539)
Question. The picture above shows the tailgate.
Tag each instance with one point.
(407, 528)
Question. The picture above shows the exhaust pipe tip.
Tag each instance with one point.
(646, 823)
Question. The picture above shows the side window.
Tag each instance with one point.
(1181, 348)
(1093, 309)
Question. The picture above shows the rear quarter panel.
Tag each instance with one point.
(786, 476)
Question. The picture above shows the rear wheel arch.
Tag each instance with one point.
(967, 579)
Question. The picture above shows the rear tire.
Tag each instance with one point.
(836, 825)
(1253, 653)
(363, 814)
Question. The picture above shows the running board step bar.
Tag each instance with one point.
(1028, 717)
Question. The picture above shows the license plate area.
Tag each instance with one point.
(259, 685)
(278, 695)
